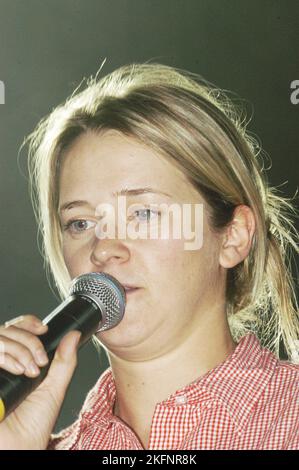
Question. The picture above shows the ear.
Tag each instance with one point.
(238, 237)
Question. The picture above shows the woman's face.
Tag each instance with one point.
(178, 288)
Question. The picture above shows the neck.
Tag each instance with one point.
(141, 385)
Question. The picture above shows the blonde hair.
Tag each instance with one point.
(196, 126)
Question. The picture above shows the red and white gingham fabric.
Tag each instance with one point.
(249, 401)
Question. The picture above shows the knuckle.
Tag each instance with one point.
(26, 347)
(10, 364)
(34, 342)
(24, 355)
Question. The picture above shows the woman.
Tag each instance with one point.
(195, 363)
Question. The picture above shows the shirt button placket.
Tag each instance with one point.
(181, 400)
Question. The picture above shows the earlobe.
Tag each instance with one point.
(238, 237)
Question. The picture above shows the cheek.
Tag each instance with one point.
(184, 273)
(69, 262)
(171, 263)
(74, 257)
(176, 279)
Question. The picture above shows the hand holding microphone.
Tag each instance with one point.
(30, 401)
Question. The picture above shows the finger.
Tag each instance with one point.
(21, 354)
(27, 322)
(10, 364)
(30, 341)
(63, 365)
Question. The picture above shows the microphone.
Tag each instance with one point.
(96, 303)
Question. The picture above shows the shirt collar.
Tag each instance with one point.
(238, 382)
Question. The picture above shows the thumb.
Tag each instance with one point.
(63, 365)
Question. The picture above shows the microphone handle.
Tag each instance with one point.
(77, 312)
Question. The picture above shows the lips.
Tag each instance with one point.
(130, 289)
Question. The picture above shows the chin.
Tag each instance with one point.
(129, 337)
(128, 327)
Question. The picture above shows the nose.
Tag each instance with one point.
(107, 251)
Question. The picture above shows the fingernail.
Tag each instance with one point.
(41, 357)
(39, 324)
(33, 369)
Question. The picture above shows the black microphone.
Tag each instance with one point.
(96, 303)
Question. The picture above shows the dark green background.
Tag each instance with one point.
(46, 47)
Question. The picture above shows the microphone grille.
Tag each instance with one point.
(106, 291)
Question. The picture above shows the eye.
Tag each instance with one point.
(145, 214)
(78, 225)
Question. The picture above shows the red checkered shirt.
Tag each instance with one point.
(249, 401)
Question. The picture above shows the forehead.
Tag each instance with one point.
(109, 161)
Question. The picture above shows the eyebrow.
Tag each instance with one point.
(123, 192)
